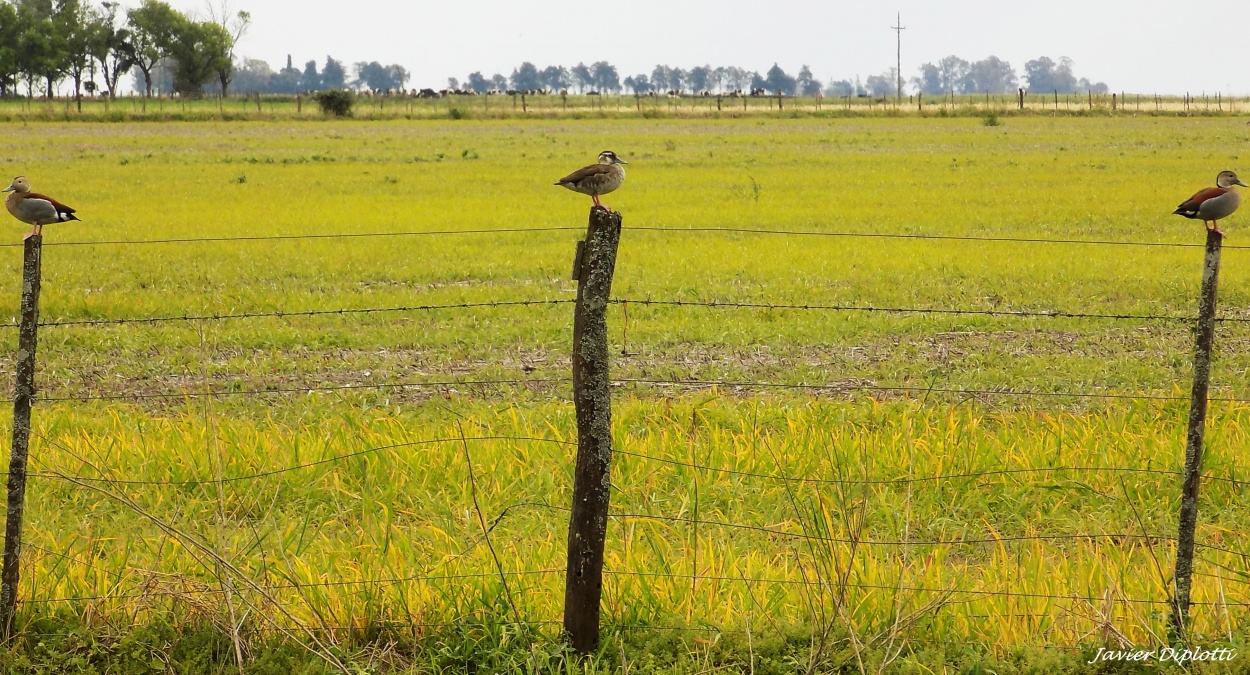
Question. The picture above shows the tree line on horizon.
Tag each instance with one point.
(951, 75)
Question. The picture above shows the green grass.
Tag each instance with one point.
(386, 493)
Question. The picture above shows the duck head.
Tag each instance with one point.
(1227, 179)
(19, 184)
(609, 157)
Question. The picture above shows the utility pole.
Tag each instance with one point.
(898, 28)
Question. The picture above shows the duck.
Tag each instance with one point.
(597, 179)
(1212, 205)
(33, 208)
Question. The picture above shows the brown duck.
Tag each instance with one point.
(33, 208)
(597, 179)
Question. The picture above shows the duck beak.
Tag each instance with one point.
(621, 161)
(8, 189)
(1242, 184)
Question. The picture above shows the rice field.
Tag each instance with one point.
(391, 487)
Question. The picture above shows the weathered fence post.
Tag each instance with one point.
(1192, 473)
(588, 521)
(23, 396)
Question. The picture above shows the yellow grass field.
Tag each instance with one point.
(815, 475)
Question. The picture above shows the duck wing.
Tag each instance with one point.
(1190, 206)
(47, 207)
(585, 172)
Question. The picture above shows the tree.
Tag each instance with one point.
(310, 79)
(662, 78)
(333, 75)
(606, 77)
(839, 89)
(556, 78)
(287, 80)
(989, 75)
(638, 84)
(10, 32)
(526, 77)
(582, 77)
(151, 25)
(719, 77)
(453, 84)
(233, 26)
(1044, 75)
(951, 73)
(678, 79)
(884, 84)
(198, 50)
(498, 82)
(42, 55)
(253, 75)
(779, 82)
(698, 78)
(379, 78)
(757, 81)
(1093, 87)
(929, 82)
(478, 83)
(112, 49)
(80, 27)
(1039, 74)
(808, 85)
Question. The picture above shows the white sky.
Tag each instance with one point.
(1143, 46)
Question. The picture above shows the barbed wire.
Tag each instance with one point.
(921, 479)
(289, 469)
(929, 237)
(905, 588)
(221, 393)
(899, 588)
(1092, 536)
(646, 302)
(848, 386)
(638, 228)
(311, 236)
(305, 313)
(663, 382)
(629, 453)
(1045, 313)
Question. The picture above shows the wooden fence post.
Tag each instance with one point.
(1192, 472)
(23, 397)
(588, 521)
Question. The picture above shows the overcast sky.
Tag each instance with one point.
(1144, 46)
